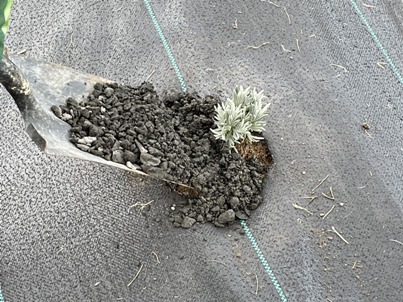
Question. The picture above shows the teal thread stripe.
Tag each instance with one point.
(264, 261)
(377, 41)
(243, 223)
(166, 45)
(1, 297)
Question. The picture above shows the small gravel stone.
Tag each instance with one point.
(57, 111)
(71, 102)
(227, 216)
(118, 157)
(108, 92)
(149, 160)
(155, 152)
(130, 156)
(83, 147)
(188, 222)
(88, 140)
(247, 189)
(66, 117)
(234, 202)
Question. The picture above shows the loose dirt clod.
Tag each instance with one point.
(170, 138)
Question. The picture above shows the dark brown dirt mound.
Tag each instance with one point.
(170, 138)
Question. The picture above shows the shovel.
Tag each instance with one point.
(36, 86)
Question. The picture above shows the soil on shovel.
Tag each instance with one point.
(170, 138)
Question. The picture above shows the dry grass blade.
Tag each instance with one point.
(331, 196)
(340, 66)
(338, 234)
(219, 262)
(270, 2)
(156, 257)
(368, 5)
(382, 64)
(296, 206)
(135, 277)
(149, 77)
(285, 49)
(328, 212)
(397, 241)
(288, 16)
(320, 183)
(312, 198)
(299, 49)
(142, 206)
(257, 47)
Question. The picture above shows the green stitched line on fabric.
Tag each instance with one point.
(377, 41)
(166, 45)
(243, 223)
(264, 261)
(1, 296)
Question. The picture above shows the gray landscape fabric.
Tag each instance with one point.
(70, 230)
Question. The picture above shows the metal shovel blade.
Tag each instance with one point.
(52, 84)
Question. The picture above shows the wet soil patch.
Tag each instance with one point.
(169, 138)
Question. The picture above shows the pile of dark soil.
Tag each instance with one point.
(170, 138)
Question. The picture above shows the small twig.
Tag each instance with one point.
(149, 77)
(135, 277)
(299, 49)
(257, 284)
(20, 52)
(272, 3)
(367, 133)
(368, 5)
(312, 198)
(257, 47)
(328, 212)
(219, 262)
(331, 197)
(285, 49)
(60, 250)
(296, 206)
(382, 64)
(338, 234)
(356, 265)
(340, 66)
(139, 204)
(397, 241)
(320, 183)
(288, 16)
(156, 256)
(71, 40)
(235, 25)
(348, 215)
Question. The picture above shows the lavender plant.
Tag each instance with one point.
(240, 116)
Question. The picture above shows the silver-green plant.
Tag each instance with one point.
(241, 116)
